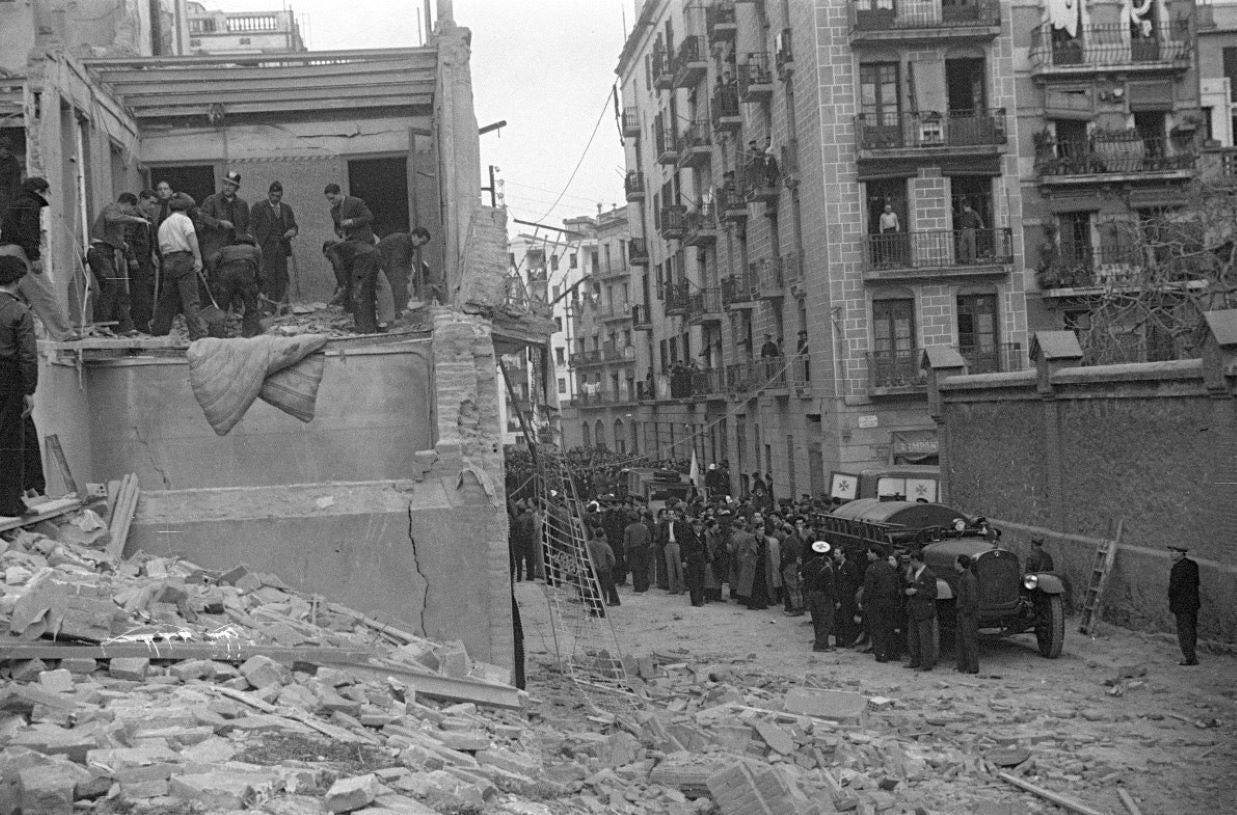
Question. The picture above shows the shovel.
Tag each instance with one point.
(216, 319)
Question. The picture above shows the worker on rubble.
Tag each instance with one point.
(361, 261)
(238, 268)
(182, 263)
(19, 376)
(108, 259)
(221, 218)
(274, 227)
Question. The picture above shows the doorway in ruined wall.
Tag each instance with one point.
(383, 184)
(196, 180)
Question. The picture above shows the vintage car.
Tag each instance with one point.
(1010, 601)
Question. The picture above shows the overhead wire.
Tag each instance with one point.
(596, 126)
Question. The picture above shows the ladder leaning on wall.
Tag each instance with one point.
(1101, 568)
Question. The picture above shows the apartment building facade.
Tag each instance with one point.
(242, 32)
(1114, 120)
(598, 386)
(826, 191)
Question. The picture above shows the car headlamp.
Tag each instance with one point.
(1030, 581)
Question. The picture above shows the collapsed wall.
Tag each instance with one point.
(381, 502)
(1064, 452)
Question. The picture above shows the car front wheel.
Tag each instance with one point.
(1050, 625)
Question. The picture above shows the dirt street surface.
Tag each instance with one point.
(1115, 711)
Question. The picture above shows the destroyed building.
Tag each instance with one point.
(391, 499)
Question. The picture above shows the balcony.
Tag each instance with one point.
(611, 352)
(876, 22)
(763, 177)
(790, 164)
(633, 186)
(705, 305)
(799, 374)
(784, 55)
(1113, 155)
(641, 317)
(612, 270)
(667, 147)
(725, 109)
(740, 292)
(701, 226)
(732, 205)
(755, 78)
(638, 252)
(614, 312)
(696, 383)
(678, 301)
(958, 132)
(663, 72)
(673, 222)
(1085, 270)
(993, 358)
(1111, 47)
(584, 359)
(757, 376)
(720, 21)
(938, 253)
(631, 123)
(1219, 165)
(895, 372)
(646, 392)
(695, 145)
(691, 62)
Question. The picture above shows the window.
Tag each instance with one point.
(573, 261)
(553, 263)
(244, 41)
(894, 355)
(559, 355)
(977, 333)
(195, 43)
(878, 89)
(558, 324)
(562, 384)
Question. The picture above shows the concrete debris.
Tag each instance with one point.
(186, 690)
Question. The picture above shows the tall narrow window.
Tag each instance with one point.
(894, 354)
(977, 333)
(878, 89)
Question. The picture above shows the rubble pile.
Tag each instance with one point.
(152, 685)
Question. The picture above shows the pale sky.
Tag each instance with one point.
(545, 66)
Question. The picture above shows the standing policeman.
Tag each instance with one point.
(1183, 602)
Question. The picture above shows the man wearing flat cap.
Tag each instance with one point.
(1183, 602)
(221, 218)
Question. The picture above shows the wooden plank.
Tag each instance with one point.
(1048, 795)
(1128, 802)
(177, 95)
(56, 454)
(48, 510)
(122, 516)
(435, 685)
(340, 733)
(220, 650)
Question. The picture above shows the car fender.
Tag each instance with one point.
(1049, 583)
(943, 590)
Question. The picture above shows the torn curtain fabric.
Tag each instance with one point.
(228, 375)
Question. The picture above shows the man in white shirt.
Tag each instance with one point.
(182, 263)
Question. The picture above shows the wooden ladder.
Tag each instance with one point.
(1101, 568)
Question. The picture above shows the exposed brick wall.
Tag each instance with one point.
(1147, 444)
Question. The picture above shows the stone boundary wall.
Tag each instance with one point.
(1064, 451)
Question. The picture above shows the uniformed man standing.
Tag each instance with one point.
(1183, 602)
(920, 594)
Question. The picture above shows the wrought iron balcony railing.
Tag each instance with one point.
(673, 222)
(740, 289)
(939, 249)
(1123, 152)
(882, 15)
(677, 299)
(641, 317)
(633, 186)
(720, 21)
(1001, 357)
(705, 305)
(1107, 46)
(631, 122)
(755, 77)
(898, 131)
(896, 369)
(725, 108)
(690, 63)
(638, 252)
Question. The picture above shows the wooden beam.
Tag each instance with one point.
(46, 511)
(402, 106)
(1059, 800)
(220, 650)
(135, 92)
(401, 92)
(273, 60)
